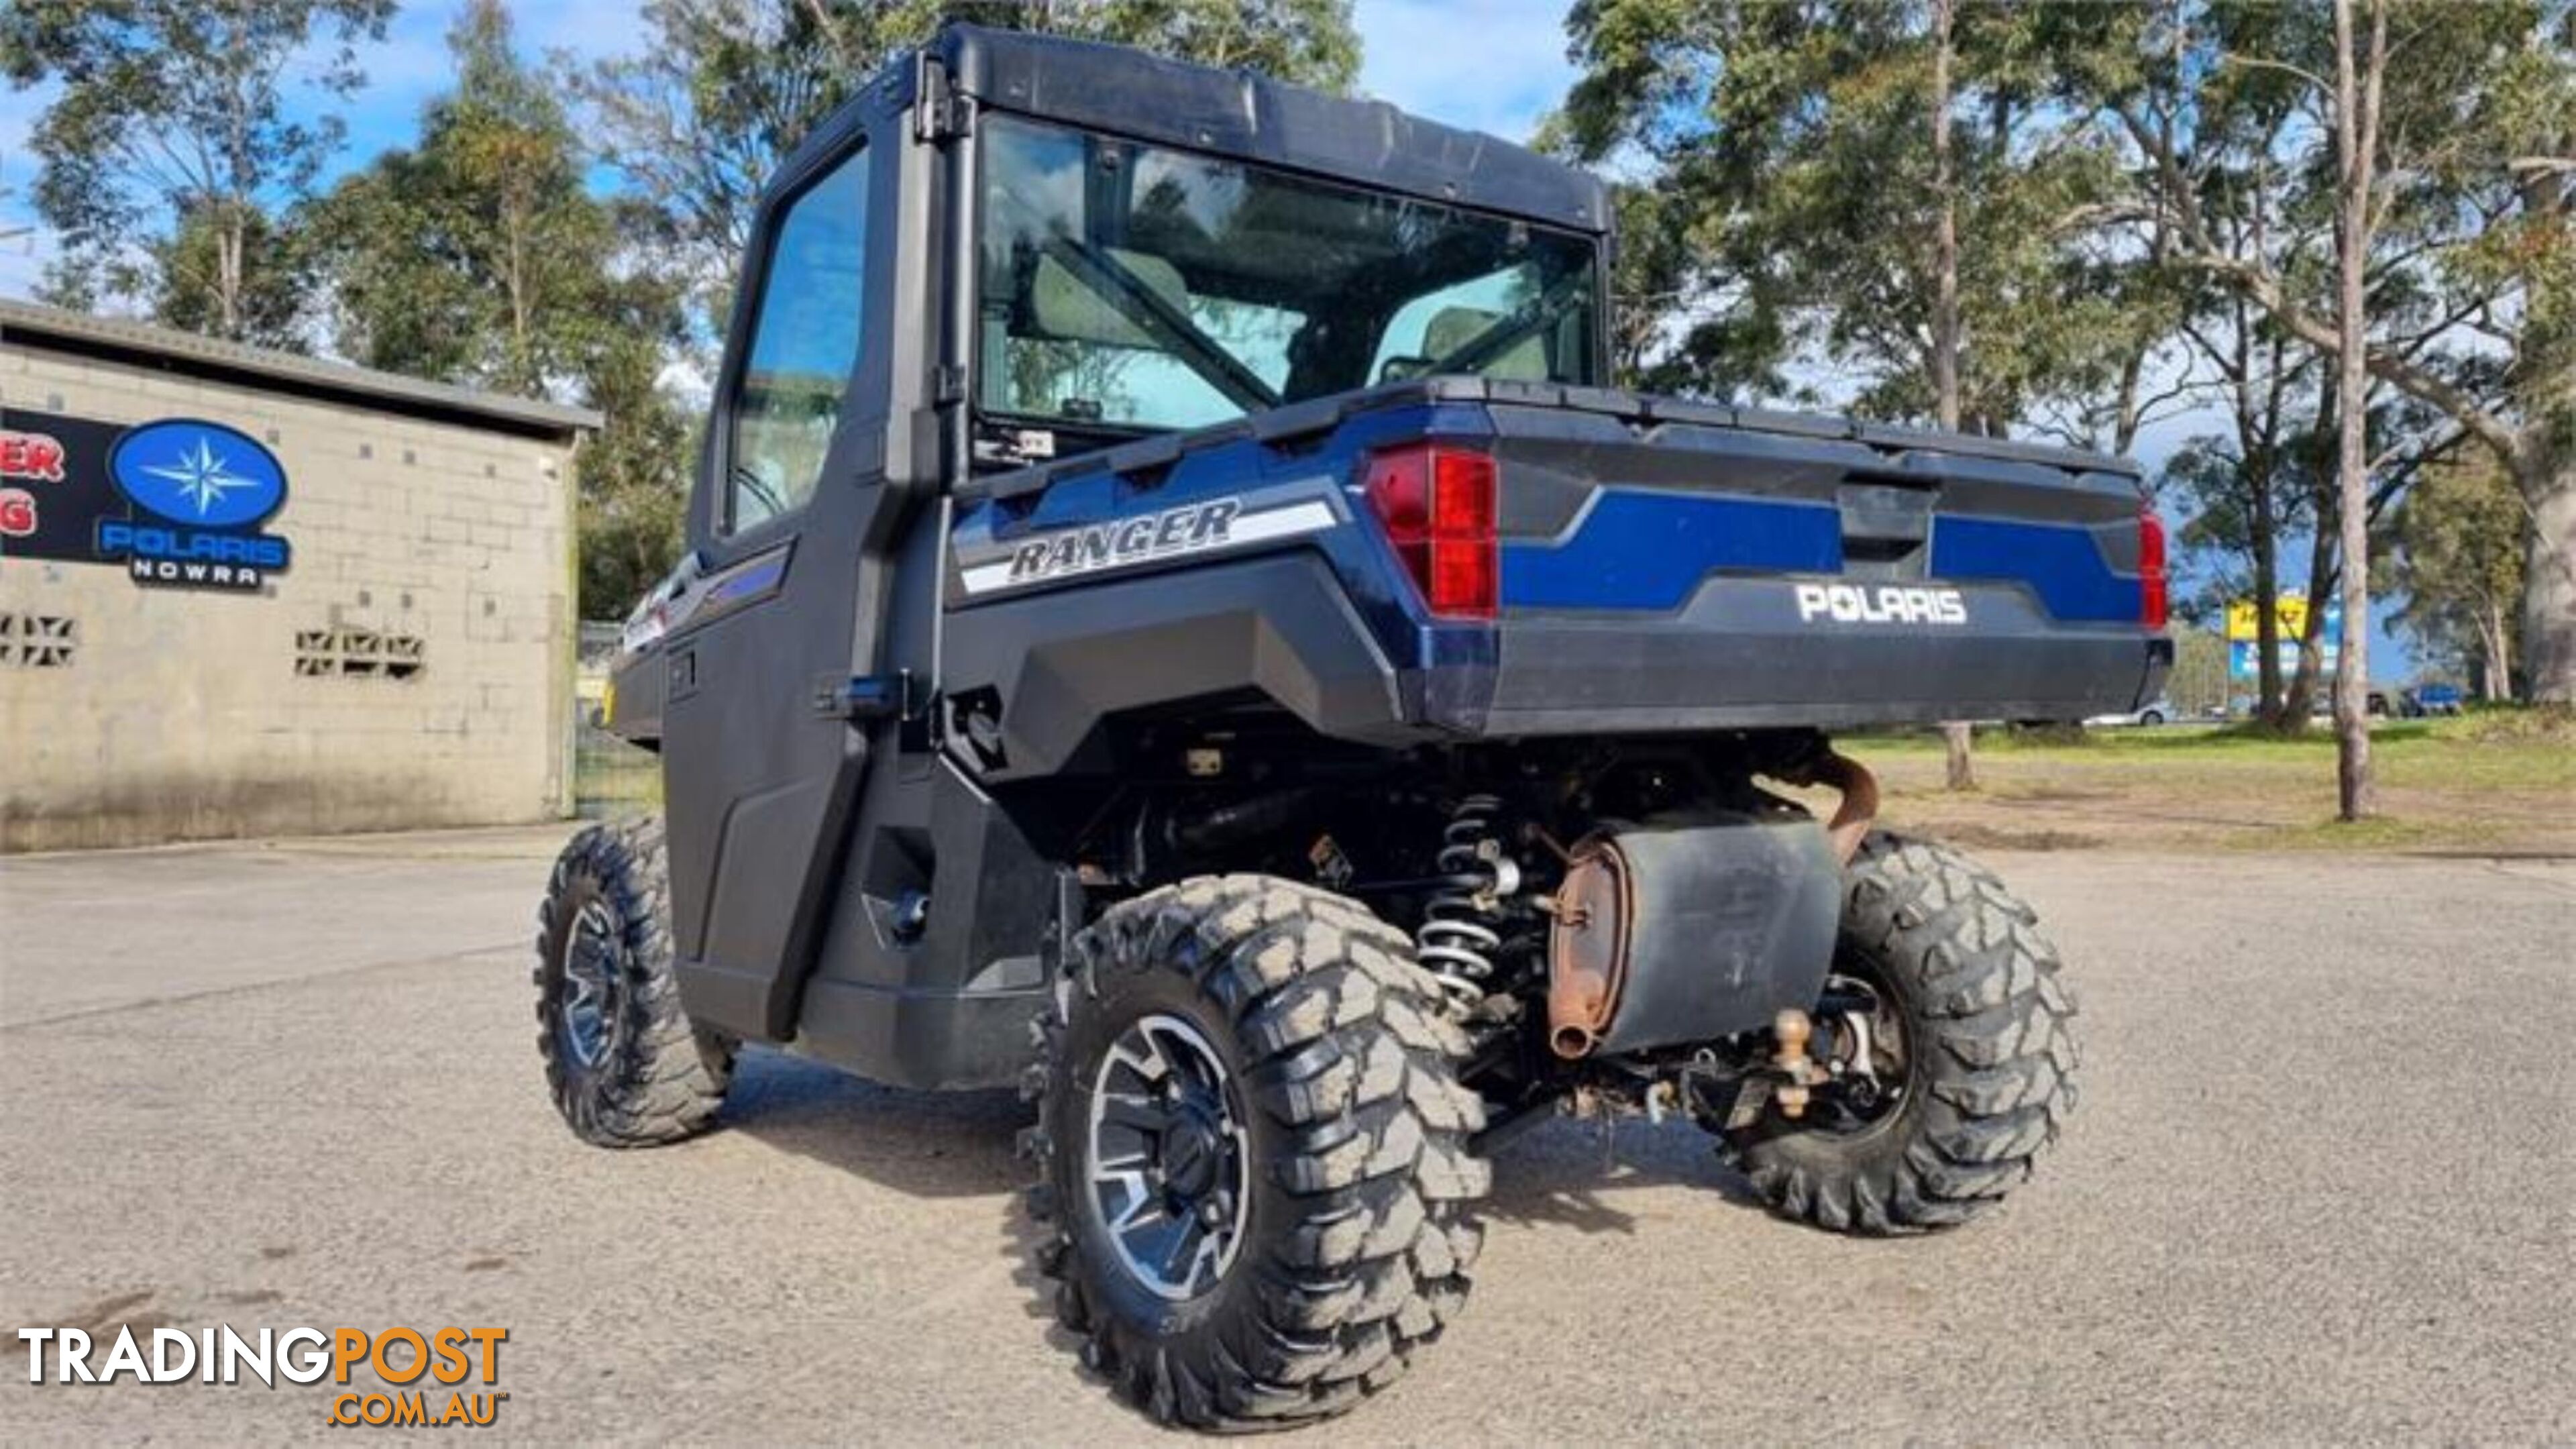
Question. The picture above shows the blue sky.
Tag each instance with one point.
(1487, 65)
(1508, 77)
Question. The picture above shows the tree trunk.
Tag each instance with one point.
(1956, 735)
(229, 251)
(1962, 774)
(2549, 579)
(2301, 696)
(1945, 230)
(2357, 79)
(2267, 601)
(2495, 682)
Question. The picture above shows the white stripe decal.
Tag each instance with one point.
(1306, 517)
(1311, 515)
(987, 576)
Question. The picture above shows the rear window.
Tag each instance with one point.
(1135, 286)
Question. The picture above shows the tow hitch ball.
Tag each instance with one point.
(1789, 1078)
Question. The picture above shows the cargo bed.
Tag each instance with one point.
(1661, 566)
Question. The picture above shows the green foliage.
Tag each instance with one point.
(2470, 302)
(634, 481)
(274, 302)
(1789, 202)
(2458, 565)
(480, 257)
(168, 163)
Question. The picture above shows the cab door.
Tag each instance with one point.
(761, 761)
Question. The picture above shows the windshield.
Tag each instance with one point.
(1130, 286)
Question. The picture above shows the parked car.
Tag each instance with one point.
(2432, 699)
(2154, 712)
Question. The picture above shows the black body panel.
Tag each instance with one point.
(1738, 657)
(932, 967)
(1057, 667)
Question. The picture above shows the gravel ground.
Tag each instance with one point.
(2321, 1188)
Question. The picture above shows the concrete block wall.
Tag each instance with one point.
(184, 714)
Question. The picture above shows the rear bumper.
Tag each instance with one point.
(1738, 656)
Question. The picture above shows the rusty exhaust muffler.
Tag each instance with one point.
(1587, 948)
(1673, 934)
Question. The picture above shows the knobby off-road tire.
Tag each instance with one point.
(1359, 1179)
(1990, 1047)
(623, 1064)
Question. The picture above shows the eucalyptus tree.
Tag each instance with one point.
(170, 158)
(2467, 298)
(481, 256)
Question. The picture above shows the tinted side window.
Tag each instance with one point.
(804, 338)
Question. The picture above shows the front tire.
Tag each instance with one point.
(1252, 1144)
(1972, 1038)
(623, 1063)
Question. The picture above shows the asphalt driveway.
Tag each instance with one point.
(2321, 1187)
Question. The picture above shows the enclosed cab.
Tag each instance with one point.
(1169, 574)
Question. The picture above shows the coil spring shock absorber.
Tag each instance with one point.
(1454, 939)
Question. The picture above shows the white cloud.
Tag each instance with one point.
(1496, 66)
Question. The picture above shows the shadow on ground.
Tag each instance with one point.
(921, 1144)
(964, 1145)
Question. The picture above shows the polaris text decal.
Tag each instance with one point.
(1885, 604)
(1144, 538)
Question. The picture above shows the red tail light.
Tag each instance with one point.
(1437, 506)
(2153, 598)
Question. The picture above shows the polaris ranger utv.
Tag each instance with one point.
(1176, 620)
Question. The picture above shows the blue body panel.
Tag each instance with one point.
(1639, 550)
(2062, 565)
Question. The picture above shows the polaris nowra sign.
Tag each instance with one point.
(176, 502)
(206, 488)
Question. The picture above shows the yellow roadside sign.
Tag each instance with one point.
(2290, 615)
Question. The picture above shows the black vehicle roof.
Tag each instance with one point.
(1236, 113)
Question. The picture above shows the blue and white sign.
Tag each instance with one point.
(199, 492)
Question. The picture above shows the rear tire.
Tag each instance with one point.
(623, 1063)
(1988, 1048)
(1315, 1043)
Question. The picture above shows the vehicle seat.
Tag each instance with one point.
(1454, 327)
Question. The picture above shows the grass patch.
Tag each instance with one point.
(2501, 781)
(2378, 833)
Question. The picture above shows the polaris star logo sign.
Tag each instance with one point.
(1884, 604)
(1144, 538)
(199, 492)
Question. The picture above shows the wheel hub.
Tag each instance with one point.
(589, 991)
(1870, 1051)
(1167, 1158)
(1190, 1153)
